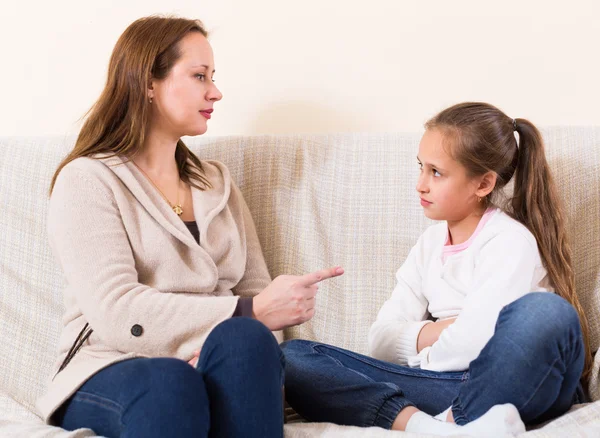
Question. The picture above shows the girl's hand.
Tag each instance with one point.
(290, 300)
(194, 360)
(430, 333)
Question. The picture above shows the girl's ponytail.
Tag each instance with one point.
(536, 204)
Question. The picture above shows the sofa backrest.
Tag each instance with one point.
(317, 200)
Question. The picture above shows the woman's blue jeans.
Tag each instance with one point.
(235, 391)
(534, 361)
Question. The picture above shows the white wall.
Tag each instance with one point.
(318, 65)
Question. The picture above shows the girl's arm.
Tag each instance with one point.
(393, 336)
(504, 272)
(430, 333)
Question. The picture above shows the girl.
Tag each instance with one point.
(161, 258)
(462, 335)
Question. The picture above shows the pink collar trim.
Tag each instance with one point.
(449, 250)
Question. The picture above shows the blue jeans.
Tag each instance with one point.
(534, 360)
(236, 390)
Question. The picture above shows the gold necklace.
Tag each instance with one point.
(177, 208)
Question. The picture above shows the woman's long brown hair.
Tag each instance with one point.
(117, 123)
(482, 139)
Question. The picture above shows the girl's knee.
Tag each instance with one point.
(546, 314)
(297, 346)
(547, 304)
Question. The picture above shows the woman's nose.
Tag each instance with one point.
(214, 94)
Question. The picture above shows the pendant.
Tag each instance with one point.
(178, 210)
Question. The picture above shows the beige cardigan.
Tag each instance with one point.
(129, 260)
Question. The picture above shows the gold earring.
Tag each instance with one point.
(479, 199)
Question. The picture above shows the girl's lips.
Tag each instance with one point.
(425, 203)
(206, 113)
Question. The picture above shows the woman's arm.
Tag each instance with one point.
(286, 301)
(256, 276)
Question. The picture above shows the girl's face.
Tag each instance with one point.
(182, 102)
(446, 191)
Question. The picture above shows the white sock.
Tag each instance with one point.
(499, 421)
(443, 415)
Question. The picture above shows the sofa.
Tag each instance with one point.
(318, 201)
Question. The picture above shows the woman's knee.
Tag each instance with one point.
(174, 380)
(139, 397)
(176, 402)
(243, 337)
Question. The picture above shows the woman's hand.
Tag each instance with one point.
(430, 333)
(290, 300)
(194, 360)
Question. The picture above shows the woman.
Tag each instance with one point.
(163, 265)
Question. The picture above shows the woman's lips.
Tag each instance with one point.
(425, 203)
(206, 113)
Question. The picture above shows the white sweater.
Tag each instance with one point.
(501, 264)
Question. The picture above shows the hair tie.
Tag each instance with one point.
(514, 124)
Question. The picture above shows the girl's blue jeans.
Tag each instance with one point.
(534, 361)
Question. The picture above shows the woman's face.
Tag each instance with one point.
(182, 102)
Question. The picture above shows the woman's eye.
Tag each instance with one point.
(200, 76)
(436, 173)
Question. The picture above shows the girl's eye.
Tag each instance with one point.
(436, 173)
(200, 76)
